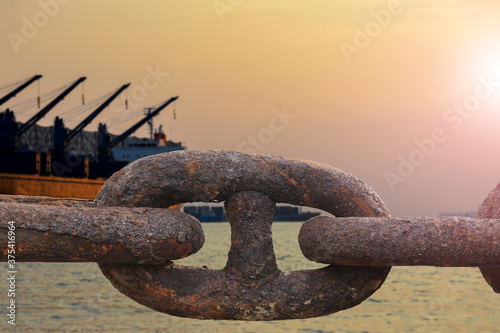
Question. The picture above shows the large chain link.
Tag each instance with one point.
(250, 287)
(134, 244)
(490, 208)
(433, 241)
(58, 230)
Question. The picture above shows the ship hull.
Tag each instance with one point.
(50, 186)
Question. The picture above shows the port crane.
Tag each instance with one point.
(27, 125)
(104, 149)
(17, 90)
(62, 142)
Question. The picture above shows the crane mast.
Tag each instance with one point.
(140, 123)
(27, 125)
(14, 92)
(62, 143)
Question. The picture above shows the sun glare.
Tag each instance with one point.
(492, 67)
(489, 61)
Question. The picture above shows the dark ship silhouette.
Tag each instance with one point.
(58, 162)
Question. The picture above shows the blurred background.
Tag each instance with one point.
(403, 94)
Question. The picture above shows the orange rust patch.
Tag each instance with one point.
(291, 180)
(363, 205)
(307, 199)
(106, 249)
(193, 167)
(177, 249)
(160, 293)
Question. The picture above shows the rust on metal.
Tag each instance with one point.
(36, 200)
(490, 208)
(62, 232)
(213, 176)
(405, 241)
(250, 287)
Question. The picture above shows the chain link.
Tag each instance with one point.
(135, 243)
(250, 287)
(490, 208)
(407, 241)
(58, 230)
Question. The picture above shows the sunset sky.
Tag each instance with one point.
(403, 94)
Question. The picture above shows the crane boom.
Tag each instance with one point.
(94, 114)
(14, 92)
(140, 123)
(49, 107)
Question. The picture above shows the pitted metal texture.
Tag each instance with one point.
(250, 287)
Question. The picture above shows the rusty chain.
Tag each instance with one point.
(132, 234)
(75, 230)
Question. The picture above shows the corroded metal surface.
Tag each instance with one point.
(405, 241)
(126, 235)
(490, 208)
(25, 199)
(213, 176)
(250, 287)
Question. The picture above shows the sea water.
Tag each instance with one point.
(76, 297)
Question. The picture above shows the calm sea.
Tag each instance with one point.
(78, 298)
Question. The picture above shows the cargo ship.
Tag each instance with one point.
(59, 162)
(282, 213)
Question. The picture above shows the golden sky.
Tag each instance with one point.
(370, 87)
